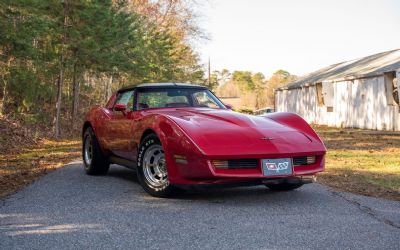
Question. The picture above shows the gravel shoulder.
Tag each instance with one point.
(67, 209)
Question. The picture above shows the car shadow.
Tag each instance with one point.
(123, 173)
(213, 194)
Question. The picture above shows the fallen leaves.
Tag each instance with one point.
(23, 159)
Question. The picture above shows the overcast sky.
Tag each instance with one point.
(298, 36)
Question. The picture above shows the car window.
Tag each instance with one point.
(202, 99)
(126, 98)
(163, 99)
(176, 98)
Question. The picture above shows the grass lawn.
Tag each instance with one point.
(362, 161)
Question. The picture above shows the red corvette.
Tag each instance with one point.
(177, 135)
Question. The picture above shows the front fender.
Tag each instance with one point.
(294, 121)
(174, 141)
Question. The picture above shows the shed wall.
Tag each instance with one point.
(360, 103)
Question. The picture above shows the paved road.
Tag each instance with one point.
(69, 210)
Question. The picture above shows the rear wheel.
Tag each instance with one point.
(152, 168)
(283, 186)
(94, 161)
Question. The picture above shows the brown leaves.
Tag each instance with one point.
(13, 136)
(23, 159)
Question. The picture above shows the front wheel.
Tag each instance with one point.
(283, 186)
(152, 168)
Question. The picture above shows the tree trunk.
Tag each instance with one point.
(108, 89)
(5, 90)
(60, 84)
(257, 101)
(3, 99)
(75, 96)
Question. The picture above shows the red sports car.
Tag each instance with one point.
(179, 135)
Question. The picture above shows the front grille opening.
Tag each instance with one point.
(304, 160)
(236, 164)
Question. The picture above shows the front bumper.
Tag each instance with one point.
(200, 170)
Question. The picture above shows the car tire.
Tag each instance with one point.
(283, 186)
(152, 169)
(94, 160)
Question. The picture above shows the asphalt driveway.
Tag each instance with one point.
(70, 210)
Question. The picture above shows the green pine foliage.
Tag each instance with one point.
(103, 46)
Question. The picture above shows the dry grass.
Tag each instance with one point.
(21, 167)
(362, 161)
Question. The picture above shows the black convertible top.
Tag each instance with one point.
(162, 86)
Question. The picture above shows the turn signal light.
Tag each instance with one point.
(220, 164)
(311, 160)
(304, 160)
(236, 163)
(180, 159)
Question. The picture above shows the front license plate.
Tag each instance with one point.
(274, 167)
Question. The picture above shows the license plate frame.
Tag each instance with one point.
(277, 167)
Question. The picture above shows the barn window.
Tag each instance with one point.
(392, 87)
(325, 94)
(320, 96)
(396, 90)
(328, 92)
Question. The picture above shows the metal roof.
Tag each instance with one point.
(369, 66)
(162, 85)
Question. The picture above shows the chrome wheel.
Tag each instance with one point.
(88, 150)
(155, 167)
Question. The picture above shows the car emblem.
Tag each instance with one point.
(280, 166)
(271, 166)
(266, 138)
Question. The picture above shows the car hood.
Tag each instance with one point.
(224, 132)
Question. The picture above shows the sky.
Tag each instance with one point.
(299, 36)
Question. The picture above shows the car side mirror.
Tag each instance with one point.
(120, 107)
(228, 106)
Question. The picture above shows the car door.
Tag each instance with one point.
(119, 127)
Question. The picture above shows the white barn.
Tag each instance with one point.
(362, 93)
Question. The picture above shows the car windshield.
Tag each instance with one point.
(177, 98)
